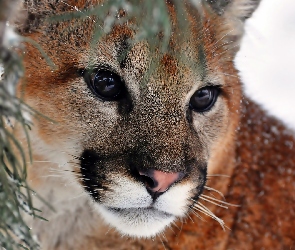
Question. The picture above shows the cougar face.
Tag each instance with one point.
(141, 146)
(145, 158)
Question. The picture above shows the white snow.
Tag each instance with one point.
(1, 71)
(11, 38)
(266, 59)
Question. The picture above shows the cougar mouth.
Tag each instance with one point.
(143, 210)
(137, 222)
(125, 201)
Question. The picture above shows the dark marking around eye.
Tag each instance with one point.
(189, 115)
(123, 49)
(202, 63)
(125, 105)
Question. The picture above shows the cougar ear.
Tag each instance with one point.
(239, 9)
(232, 15)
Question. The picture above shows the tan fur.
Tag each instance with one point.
(235, 138)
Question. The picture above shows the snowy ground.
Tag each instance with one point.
(267, 58)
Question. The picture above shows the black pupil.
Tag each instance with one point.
(107, 84)
(203, 99)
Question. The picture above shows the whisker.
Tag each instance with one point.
(220, 46)
(175, 224)
(62, 170)
(223, 36)
(78, 166)
(108, 230)
(219, 54)
(223, 202)
(208, 210)
(203, 212)
(190, 218)
(181, 226)
(78, 196)
(75, 164)
(196, 214)
(41, 162)
(204, 199)
(201, 208)
(51, 175)
(218, 175)
(162, 242)
(171, 228)
(230, 75)
(73, 173)
(164, 237)
(214, 190)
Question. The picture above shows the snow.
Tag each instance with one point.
(267, 56)
(1, 71)
(11, 38)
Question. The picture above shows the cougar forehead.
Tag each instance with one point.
(121, 145)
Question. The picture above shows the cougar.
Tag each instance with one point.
(173, 156)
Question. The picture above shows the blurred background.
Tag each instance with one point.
(267, 58)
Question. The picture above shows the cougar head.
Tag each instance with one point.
(140, 140)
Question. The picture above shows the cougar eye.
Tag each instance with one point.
(204, 98)
(105, 84)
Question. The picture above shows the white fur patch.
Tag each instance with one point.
(126, 193)
(138, 222)
(176, 200)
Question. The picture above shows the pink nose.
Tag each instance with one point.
(158, 181)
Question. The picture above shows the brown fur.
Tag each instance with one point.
(236, 138)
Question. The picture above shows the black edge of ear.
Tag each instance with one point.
(243, 8)
(252, 6)
(218, 6)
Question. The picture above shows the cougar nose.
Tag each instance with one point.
(157, 182)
